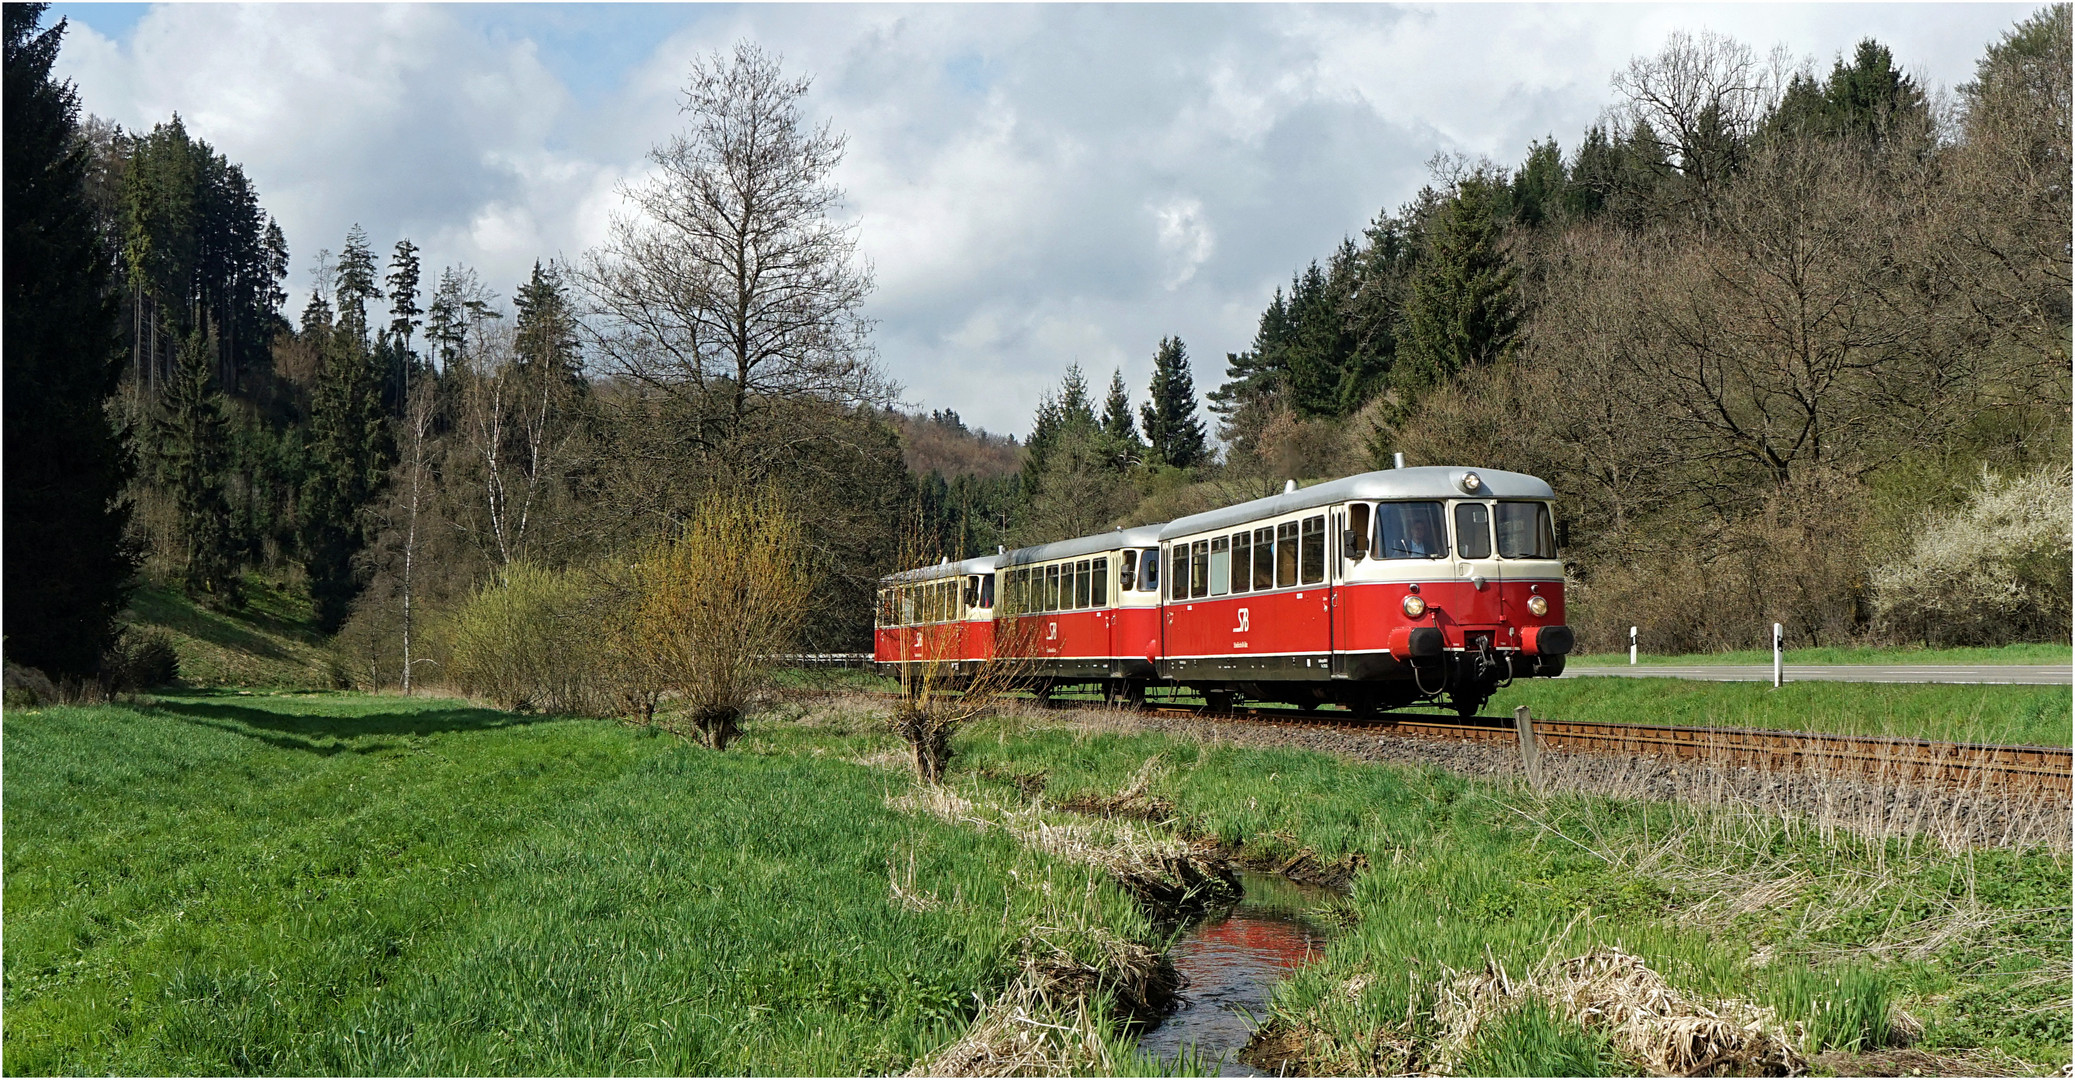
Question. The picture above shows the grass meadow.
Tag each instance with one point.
(2028, 653)
(336, 883)
(2032, 715)
(1835, 932)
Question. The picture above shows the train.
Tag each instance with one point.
(1408, 586)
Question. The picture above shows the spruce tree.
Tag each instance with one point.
(349, 453)
(403, 292)
(1174, 433)
(68, 571)
(1121, 432)
(192, 445)
(1462, 311)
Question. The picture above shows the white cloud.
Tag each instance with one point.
(1033, 184)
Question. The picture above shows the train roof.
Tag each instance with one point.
(1113, 540)
(1423, 482)
(983, 564)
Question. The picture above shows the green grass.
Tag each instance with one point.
(2034, 715)
(2030, 653)
(1723, 905)
(268, 643)
(222, 883)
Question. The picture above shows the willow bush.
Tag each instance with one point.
(700, 616)
(529, 640)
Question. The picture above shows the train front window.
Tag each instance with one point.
(1524, 531)
(1313, 546)
(1127, 570)
(987, 591)
(1149, 571)
(1410, 530)
(1472, 531)
(972, 590)
(1220, 566)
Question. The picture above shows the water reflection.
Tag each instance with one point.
(1232, 961)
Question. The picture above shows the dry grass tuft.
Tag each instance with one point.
(1611, 991)
(1051, 1020)
(1169, 876)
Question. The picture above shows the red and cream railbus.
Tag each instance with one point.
(1373, 591)
(940, 615)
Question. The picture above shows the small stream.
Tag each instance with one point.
(1231, 961)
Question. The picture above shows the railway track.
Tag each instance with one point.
(2006, 769)
(2045, 769)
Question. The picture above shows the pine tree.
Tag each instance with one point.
(1462, 309)
(68, 571)
(1174, 433)
(191, 445)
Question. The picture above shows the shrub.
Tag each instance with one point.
(697, 618)
(140, 659)
(1993, 572)
(529, 640)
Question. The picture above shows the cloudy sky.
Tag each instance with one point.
(1034, 185)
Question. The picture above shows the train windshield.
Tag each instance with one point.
(1410, 530)
(1524, 531)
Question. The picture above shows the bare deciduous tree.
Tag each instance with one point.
(731, 284)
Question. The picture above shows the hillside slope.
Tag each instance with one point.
(269, 644)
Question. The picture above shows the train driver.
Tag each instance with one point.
(1412, 531)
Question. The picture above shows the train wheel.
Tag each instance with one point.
(1219, 702)
(1134, 695)
(1467, 706)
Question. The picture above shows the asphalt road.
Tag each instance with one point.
(2027, 674)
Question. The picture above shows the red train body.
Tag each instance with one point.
(1374, 591)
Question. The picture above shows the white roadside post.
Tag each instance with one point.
(1631, 646)
(1777, 669)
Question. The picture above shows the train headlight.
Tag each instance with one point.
(1415, 607)
(1471, 483)
(1538, 605)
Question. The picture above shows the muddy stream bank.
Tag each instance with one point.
(1231, 960)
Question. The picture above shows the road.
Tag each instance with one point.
(2026, 674)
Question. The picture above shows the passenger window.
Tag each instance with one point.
(1314, 549)
(1178, 572)
(1220, 566)
(1410, 530)
(1101, 598)
(1355, 541)
(1242, 561)
(1472, 531)
(1285, 554)
(1149, 571)
(1127, 570)
(1052, 588)
(1083, 586)
(987, 591)
(1524, 531)
(1264, 559)
(1199, 568)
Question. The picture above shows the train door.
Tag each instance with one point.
(1349, 544)
(1476, 568)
